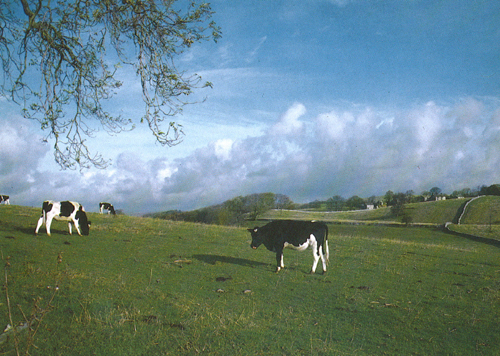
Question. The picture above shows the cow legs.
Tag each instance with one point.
(76, 227)
(316, 257)
(47, 223)
(324, 259)
(279, 261)
(317, 254)
(39, 224)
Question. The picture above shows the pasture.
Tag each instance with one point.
(141, 286)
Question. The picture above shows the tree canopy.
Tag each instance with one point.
(61, 62)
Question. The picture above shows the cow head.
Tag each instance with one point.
(81, 216)
(256, 237)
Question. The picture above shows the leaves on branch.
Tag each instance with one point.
(61, 59)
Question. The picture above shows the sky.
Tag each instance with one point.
(311, 99)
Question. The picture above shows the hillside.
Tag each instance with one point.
(483, 211)
(143, 286)
(435, 212)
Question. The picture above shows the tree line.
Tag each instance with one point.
(236, 210)
(231, 212)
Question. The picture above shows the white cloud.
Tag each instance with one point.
(289, 122)
(223, 148)
(427, 122)
(20, 152)
(342, 151)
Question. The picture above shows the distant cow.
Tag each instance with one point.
(298, 235)
(4, 199)
(107, 206)
(66, 211)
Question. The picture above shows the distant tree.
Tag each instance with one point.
(426, 194)
(398, 204)
(418, 199)
(283, 202)
(410, 194)
(484, 190)
(406, 218)
(355, 203)
(315, 204)
(373, 201)
(234, 211)
(400, 198)
(493, 189)
(259, 204)
(466, 192)
(435, 191)
(388, 197)
(335, 203)
(62, 61)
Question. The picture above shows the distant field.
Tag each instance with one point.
(483, 211)
(435, 212)
(140, 286)
(381, 215)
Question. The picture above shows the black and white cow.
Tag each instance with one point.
(107, 206)
(298, 235)
(66, 211)
(4, 199)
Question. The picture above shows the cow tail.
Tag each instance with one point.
(326, 250)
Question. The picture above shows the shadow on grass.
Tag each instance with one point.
(213, 259)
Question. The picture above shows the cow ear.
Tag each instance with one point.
(249, 230)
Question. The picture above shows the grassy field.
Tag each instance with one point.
(433, 213)
(140, 286)
(483, 211)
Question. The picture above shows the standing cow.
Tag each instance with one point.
(5, 199)
(298, 235)
(107, 206)
(66, 211)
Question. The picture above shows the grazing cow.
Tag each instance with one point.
(298, 235)
(4, 199)
(67, 211)
(107, 206)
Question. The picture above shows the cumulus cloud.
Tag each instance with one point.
(20, 153)
(353, 151)
(349, 152)
(289, 123)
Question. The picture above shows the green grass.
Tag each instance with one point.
(483, 211)
(140, 286)
(379, 215)
(435, 212)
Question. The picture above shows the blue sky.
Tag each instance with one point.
(311, 98)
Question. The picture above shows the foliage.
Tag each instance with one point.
(141, 286)
(335, 203)
(62, 60)
(231, 212)
(355, 203)
(435, 191)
